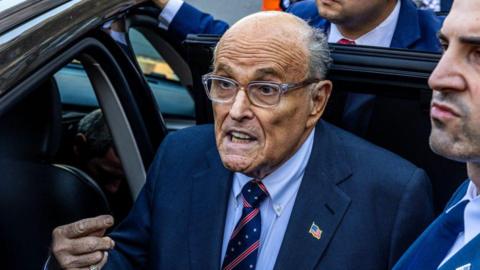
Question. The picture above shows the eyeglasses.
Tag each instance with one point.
(260, 93)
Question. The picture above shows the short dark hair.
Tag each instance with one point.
(97, 133)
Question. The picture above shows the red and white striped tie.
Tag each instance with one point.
(245, 240)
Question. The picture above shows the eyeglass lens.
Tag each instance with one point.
(263, 94)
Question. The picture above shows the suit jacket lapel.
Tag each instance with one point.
(406, 259)
(467, 255)
(210, 192)
(319, 201)
(407, 31)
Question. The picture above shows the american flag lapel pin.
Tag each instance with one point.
(315, 231)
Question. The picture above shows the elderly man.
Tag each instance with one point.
(382, 23)
(453, 240)
(269, 185)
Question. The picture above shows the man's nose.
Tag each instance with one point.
(447, 75)
(241, 107)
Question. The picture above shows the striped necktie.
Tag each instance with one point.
(243, 246)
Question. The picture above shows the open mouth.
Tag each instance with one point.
(241, 137)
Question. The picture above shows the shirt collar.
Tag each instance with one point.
(470, 195)
(380, 36)
(283, 183)
(472, 212)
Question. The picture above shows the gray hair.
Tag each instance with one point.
(95, 129)
(320, 60)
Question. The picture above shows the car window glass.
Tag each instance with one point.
(86, 142)
(75, 88)
(172, 97)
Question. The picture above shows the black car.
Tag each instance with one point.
(58, 61)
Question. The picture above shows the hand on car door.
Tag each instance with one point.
(82, 244)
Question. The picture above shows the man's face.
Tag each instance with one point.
(107, 170)
(455, 107)
(353, 12)
(256, 140)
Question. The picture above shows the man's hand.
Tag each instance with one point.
(160, 3)
(82, 244)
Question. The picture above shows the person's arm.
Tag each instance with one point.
(181, 19)
(415, 212)
(133, 235)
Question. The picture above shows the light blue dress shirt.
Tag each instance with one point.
(275, 210)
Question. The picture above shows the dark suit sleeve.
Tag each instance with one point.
(415, 212)
(132, 236)
(190, 20)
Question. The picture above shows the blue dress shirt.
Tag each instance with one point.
(282, 186)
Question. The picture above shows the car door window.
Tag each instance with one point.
(86, 141)
(171, 95)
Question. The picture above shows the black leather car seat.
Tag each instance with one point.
(36, 195)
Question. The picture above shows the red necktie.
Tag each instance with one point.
(345, 41)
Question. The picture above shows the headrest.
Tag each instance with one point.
(31, 128)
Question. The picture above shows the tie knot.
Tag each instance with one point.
(345, 41)
(254, 192)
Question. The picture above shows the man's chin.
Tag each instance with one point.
(445, 146)
(237, 163)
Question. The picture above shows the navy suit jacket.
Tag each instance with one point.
(369, 203)
(416, 29)
(468, 255)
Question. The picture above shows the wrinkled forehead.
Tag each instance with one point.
(464, 18)
(275, 43)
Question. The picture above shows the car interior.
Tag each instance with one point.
(150, 87)
(40, 185)
(46, 193)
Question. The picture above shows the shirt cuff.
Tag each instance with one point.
(168, 13)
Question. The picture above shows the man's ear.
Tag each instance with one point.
(319, 97)
(80, 145)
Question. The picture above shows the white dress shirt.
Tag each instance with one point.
(168, 13)
(380, 36)
(471, 218)
(282, 186)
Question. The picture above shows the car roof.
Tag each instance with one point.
(14, 12)
(31, 31)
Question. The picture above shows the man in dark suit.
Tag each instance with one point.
(269, 185)
(360, 21)
(452, 242)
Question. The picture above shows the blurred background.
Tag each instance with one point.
(227, 10)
